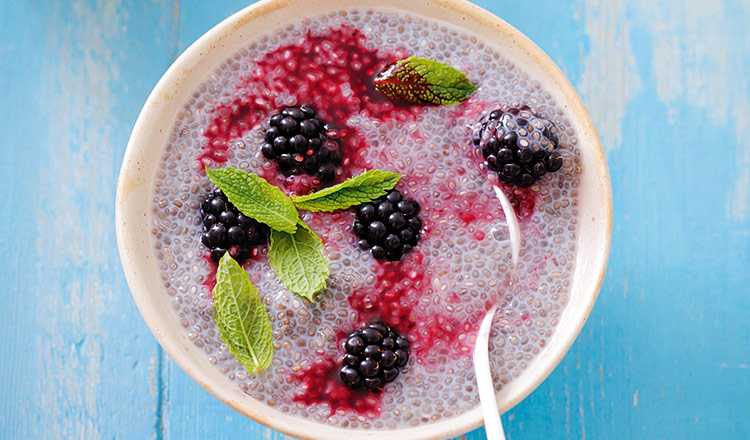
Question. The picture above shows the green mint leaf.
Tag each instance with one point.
(364, 188)
(299, 261)
(256, 198)
(241, 316)
(424, 81)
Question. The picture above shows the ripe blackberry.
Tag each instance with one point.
(519, 145)
(297, 141)
(388, 227)
(226, 228)
(374, 356)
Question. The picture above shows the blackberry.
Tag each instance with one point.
(296, 139)
(388, 227)
(225, 228)
(374, 356)
(519, 145)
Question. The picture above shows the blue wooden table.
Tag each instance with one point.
(665, 354)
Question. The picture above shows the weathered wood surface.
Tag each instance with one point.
(666, 353)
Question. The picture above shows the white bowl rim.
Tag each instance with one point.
(139, 167)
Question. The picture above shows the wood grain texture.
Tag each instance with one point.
(79, 363)
(665, 354)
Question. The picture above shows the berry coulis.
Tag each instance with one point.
(313, 72)
(397, 286)
(393, 298)
(320, 383)
(210, 281)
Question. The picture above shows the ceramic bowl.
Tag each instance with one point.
(149, 137)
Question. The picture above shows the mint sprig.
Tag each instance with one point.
(299, 261)
(241, 316)
(256, 198)
(424, 81)
(296, 252)
(364, 188)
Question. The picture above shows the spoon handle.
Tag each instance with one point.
(492, 424)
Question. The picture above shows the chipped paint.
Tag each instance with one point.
(700, 59)
(609, 80)
(725, 365)
(78, 345)
(75, 230)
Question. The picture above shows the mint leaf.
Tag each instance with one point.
(424, 81)
(256, 198)
(241, 316)
(364, 188)
(299, 261)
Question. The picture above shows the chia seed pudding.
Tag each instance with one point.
(438, 293)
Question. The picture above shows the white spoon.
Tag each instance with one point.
(492, 424)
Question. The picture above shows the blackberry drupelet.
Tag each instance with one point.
(389, 227)
(225, 228)
(374, 356)
(519, 145)
(296, 139)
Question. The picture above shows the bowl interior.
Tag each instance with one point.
(150, 134)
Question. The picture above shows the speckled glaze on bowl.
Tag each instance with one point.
(149, 137)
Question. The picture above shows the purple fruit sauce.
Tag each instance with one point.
(437, 294)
